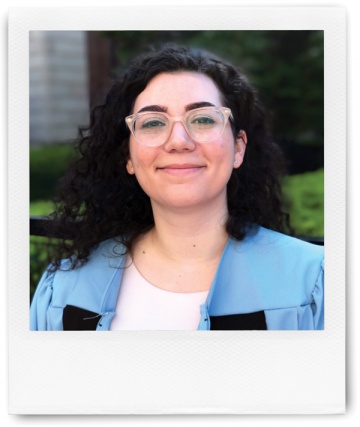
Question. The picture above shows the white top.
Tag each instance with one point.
(143, 306)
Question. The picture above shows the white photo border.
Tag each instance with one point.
(160, 372)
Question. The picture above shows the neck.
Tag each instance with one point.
(193, 235)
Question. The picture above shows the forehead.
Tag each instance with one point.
(176, 90)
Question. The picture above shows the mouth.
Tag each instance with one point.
(181, 169)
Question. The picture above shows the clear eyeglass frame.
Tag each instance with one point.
(130, 121)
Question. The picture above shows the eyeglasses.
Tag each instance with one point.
(203, 125)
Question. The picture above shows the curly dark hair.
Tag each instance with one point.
(98, 199)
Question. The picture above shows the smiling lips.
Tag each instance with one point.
(181, 169)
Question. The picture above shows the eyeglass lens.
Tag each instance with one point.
(203, 125)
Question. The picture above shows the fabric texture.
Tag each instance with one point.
(143, 306)
(268, 272)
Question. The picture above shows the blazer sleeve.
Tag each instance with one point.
(318, 300)
(41, 301)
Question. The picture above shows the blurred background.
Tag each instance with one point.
(71, 72)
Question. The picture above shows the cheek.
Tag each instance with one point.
(225, 151)
(141, 162)
(141, 158)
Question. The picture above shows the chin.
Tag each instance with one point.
(195, 201)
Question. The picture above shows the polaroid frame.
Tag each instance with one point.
(160, 372)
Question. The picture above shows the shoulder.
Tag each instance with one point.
(286, 260)
(259, 235)
(269, 270)
(277, 249)
(85, 286)
(107, 257)
(106, 254)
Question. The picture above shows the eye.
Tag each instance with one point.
(152, 123)
(202, 120)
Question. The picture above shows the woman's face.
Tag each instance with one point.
(182, 173)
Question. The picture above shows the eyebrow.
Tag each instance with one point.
(198, 105)
(158, 108)
(162, 109)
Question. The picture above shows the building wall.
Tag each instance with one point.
(59, 89)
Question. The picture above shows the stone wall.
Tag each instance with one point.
(59, 85)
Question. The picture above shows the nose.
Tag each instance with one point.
(179, 139)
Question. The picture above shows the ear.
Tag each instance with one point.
(240, 147)
(130, 167)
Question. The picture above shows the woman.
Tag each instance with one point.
(174, 212)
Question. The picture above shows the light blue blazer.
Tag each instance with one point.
(267, 281)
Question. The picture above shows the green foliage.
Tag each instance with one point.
(47, 164)
(41, 208)
(304, 196)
